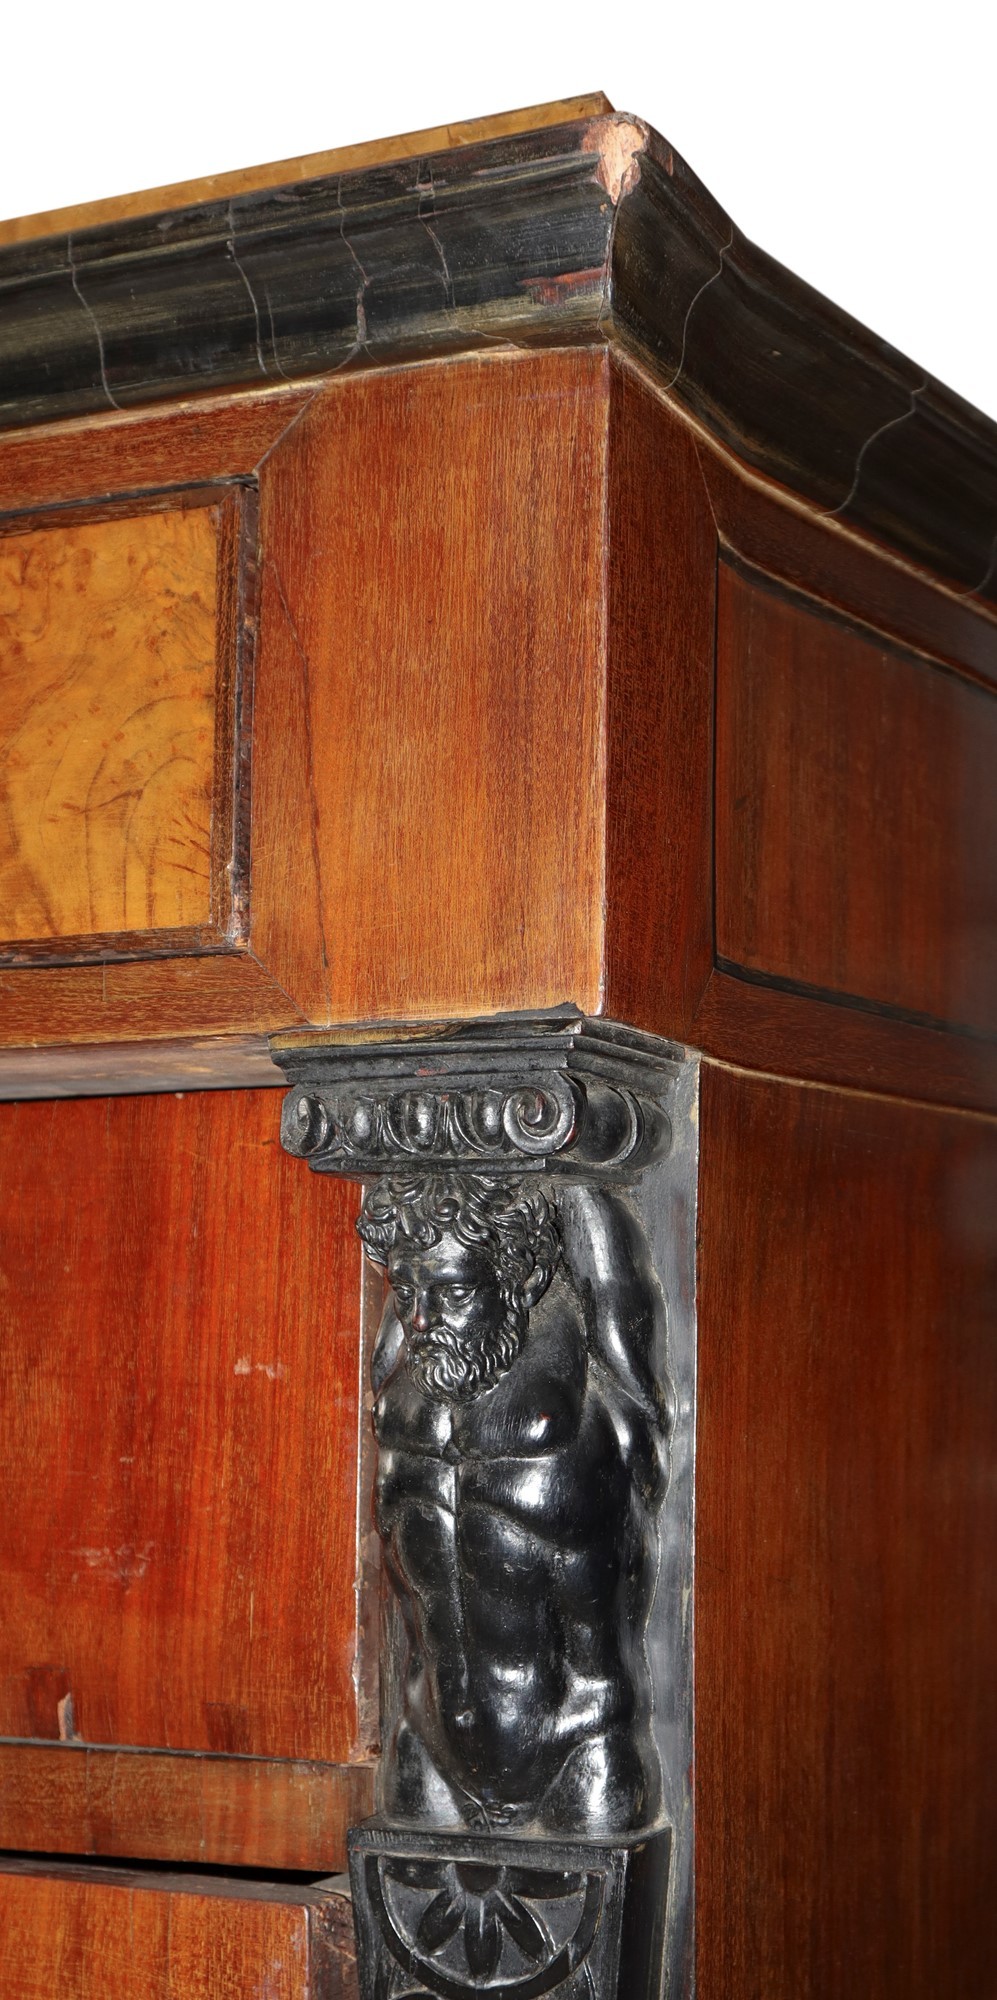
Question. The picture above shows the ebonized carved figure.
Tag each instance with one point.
(521, 1423)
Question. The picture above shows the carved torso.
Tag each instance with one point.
(517, 1538)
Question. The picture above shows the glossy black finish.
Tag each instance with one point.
(523, 1415)
(521, 1423)
(551, 1095)
(455, 1917)
(398, 261)
(594, 230)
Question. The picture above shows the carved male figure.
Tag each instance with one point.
(520, 1416)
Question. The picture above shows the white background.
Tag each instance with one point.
(856, 142)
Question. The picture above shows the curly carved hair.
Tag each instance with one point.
(516, 1224)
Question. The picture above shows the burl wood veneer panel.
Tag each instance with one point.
(846, 1613)
(102, 471)
(86, 1935)
(428, 758)
(856, 811)
(107, 723)
(179, 1340)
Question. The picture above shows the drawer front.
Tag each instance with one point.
(87, 1934)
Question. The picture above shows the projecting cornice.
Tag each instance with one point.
(593, 230)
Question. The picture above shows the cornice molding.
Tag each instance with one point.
(589, 231)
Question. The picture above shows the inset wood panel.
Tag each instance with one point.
(108, 634)
(846, 1615)
(112, 1935)
(429, 757)
(179, 1364)
(856, 812)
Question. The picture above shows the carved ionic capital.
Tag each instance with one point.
(556, 1096)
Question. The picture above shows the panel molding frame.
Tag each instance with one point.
(227, 929)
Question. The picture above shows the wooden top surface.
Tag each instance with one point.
(304, 167)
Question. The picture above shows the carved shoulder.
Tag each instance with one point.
(537, 1407)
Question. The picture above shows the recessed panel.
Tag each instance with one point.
(109, 657)
(856, 813)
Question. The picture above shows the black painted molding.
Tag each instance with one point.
(591, 231)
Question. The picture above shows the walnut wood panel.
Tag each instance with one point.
(846, 1641)
(108, 641)
(120, 1935)
(230, 1812)
(662, 549)
(432, 741)
(179, 1367)
(856, 812)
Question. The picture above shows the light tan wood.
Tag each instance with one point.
(306, 166)
(229, 1812)
(107, 724)
(118, 1935)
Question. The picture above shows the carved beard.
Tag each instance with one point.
(448, 1367)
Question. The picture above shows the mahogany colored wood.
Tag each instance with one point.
(801, 1035)
(114, 1934)
(179, 1383)
(429, 751)
(669, 967)
(856, 812)
(661, 613)
(129, 452)
(846, 1617)
(230, 1812)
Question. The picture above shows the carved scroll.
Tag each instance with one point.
(522, 1415)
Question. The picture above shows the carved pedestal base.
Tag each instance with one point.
(459, 1915)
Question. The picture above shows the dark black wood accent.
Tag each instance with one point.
(548, 236)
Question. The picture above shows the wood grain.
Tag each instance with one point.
(94, 458)
(846, 1620)
(856, 811)
(796, 1034)
(108, 635)
(662, 554)
(431, 740)
(305, 166)
(120, 1935)
(143, 1000)
(229, 1812)
(179, 1378)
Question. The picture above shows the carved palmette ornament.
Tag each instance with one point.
(453, 1919)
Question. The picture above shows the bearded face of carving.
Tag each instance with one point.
(464, 1323)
